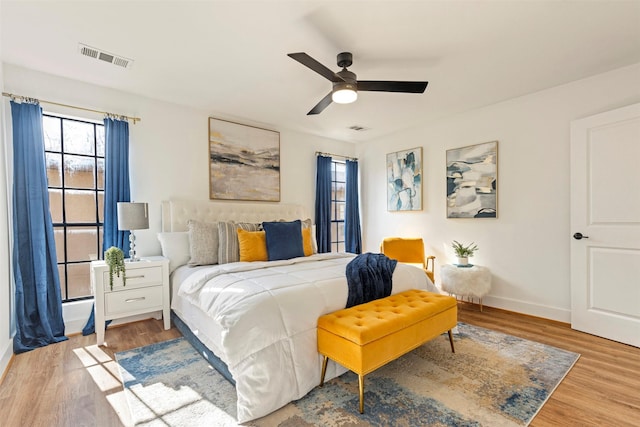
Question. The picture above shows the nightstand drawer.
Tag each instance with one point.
(136, 277)
(133, 300)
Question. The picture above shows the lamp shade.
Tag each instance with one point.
(133, 216)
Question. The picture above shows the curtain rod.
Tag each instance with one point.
(320, 153)
(134, 119)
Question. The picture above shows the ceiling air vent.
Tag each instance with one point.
(358, 128)
(92, 52)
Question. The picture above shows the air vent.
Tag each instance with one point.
(92, 52)
(358, 128)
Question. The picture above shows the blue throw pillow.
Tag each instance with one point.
(284, 239)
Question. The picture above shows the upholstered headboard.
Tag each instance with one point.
(176, 213)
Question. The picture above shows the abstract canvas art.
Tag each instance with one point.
(404, 180)
(244, 162)
(472, 181)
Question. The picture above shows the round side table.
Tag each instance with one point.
(473, 281)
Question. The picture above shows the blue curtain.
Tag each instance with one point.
(116, 181)
(116, 189)
(323, 203)
(38, 301)
(352, 234)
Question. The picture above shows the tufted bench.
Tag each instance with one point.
(365, 337)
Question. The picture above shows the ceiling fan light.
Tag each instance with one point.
(344, 94)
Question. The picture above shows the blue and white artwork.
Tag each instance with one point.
(244, 162)
(404, 180)
(472, 181)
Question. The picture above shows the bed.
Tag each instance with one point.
(259, 318)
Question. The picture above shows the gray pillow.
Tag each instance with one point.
(203, 243)
(228, 247)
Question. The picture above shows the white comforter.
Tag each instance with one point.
(267, 312)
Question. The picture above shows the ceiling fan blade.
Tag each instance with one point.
(324, 103)
(388, 86)
(309, 62)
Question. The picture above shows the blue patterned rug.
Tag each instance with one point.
(493, 379)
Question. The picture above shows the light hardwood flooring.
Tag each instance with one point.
(75, 383)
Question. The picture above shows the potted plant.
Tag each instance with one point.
(114, 257)
(464, 252)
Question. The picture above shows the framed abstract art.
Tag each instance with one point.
(244, 162)
(404, 180)
(472, 181)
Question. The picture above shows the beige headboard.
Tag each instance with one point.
(176, 213)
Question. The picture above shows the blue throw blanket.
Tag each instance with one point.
(369, 278)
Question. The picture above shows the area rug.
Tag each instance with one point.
(493, 379)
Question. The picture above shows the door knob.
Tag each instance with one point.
(579, 236)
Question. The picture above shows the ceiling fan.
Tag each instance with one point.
(346, 86)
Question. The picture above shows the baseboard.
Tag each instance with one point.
(524, 307)
(5, 359)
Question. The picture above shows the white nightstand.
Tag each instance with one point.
(473, 281)
(146, 290)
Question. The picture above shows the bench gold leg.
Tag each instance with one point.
(361, 384)
(324, 370)
(453, 350)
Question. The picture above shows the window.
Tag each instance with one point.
(74, 152)
(338, 204)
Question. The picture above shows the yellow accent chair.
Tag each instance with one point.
(409, 250)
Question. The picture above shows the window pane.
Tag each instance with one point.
(51, 131)
(341, 247)
(100, 174)
(101, 207)
(100, 240)
(58, 238)
(334, 231)
(339, 211)
(100, 141)
(340, 234)
(340, 172)
(80, 206)
(63, 292)
(79, 282)
(54, 169)
(82, 243)
(78, 137)
(339, 191)
(55, 206)
(79, 172)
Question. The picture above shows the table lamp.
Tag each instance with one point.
(132, 216)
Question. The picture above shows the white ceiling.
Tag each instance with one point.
(229, 57)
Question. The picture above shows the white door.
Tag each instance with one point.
(605, 210)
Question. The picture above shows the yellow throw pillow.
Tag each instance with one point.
(253, 245)
(307, 242)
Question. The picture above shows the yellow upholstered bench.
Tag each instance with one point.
(365, 337)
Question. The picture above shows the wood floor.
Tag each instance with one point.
(75, 383)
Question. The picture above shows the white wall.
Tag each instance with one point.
(168, 152)
(527, 246)
(6, 294)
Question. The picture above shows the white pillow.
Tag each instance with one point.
(314, 240)
(175, 246)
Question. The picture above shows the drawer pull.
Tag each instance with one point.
(141, 276)
(135, 299)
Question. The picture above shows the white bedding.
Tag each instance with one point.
(260, 318)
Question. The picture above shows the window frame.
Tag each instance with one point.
(96, 190)
(337, 240)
